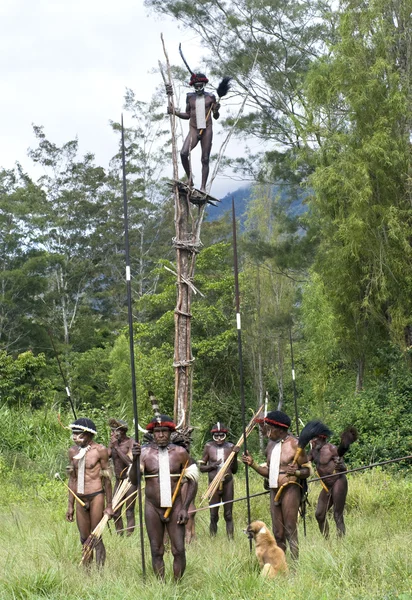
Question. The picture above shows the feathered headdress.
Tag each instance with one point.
(311, 430)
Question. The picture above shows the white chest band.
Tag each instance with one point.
(81, 468)
(164, 478)
(200, 112)
(274, 466)
(220, 455)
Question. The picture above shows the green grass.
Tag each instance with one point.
(40, 552)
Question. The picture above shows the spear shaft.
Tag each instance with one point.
(295, 395)
(131, 347)
(385, 462)
(239, 343)
(295, 399)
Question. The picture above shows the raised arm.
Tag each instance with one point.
(136, 453)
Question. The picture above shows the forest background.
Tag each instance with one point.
(325, 245)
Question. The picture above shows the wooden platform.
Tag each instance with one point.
(195, 196)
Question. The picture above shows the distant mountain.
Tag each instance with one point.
(242, 197)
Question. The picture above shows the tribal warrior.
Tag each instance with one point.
(215, 454)
(163, 465)
(328, 460)
(120, 451)
(90, 481)
(200, 106)
(284, 478)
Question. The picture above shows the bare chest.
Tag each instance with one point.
(150, 459)
(287, 451)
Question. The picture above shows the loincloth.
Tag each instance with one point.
(160, 510)
(86, 498)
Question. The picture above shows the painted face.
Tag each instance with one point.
(118, 433)
(199, 87)
(79, 438)
(219, 438)
(161, 436)
(317, 442)
(274, 433)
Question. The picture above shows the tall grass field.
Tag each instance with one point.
(40, 551)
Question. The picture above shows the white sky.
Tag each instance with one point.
(65, 64)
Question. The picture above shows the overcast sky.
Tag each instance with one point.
(65, 64)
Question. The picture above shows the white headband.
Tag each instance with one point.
(81, 428)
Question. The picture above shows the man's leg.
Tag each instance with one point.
(155, 531)
(290, 510)
(228, 508)
(277, 521)
(339, 493)
(117, 516)
(322, 508)
(190, 529)
(206, 143)
(177, 541)
(188, 145)
(130, 509)
(83, 525)
(214, 513)
(96, 514)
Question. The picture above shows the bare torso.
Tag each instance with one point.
(178, 457)
(121, 454)
(212, 458)
(325, 460)
(191, 108)
(93, 466)
(289, 447)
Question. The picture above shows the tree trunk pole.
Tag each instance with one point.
(188, 221)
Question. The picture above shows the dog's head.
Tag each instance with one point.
(254, 528)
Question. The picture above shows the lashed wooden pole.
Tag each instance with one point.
(188, 221)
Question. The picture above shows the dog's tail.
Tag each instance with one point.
(268, 572)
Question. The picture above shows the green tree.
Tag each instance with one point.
(22, 380)
(267, 47)
(359, 98)
(22, 267)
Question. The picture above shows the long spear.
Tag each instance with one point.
(295, 399)
(62, 374)
(295, 395)
(131, 347)
(378, 464)
(239, 343)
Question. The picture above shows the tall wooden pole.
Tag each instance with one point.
(131, 348)
(188, 221)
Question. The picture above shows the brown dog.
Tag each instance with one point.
(271, 558)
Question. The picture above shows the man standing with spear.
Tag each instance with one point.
(200, 106)
(164, 466)
(284, 469)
